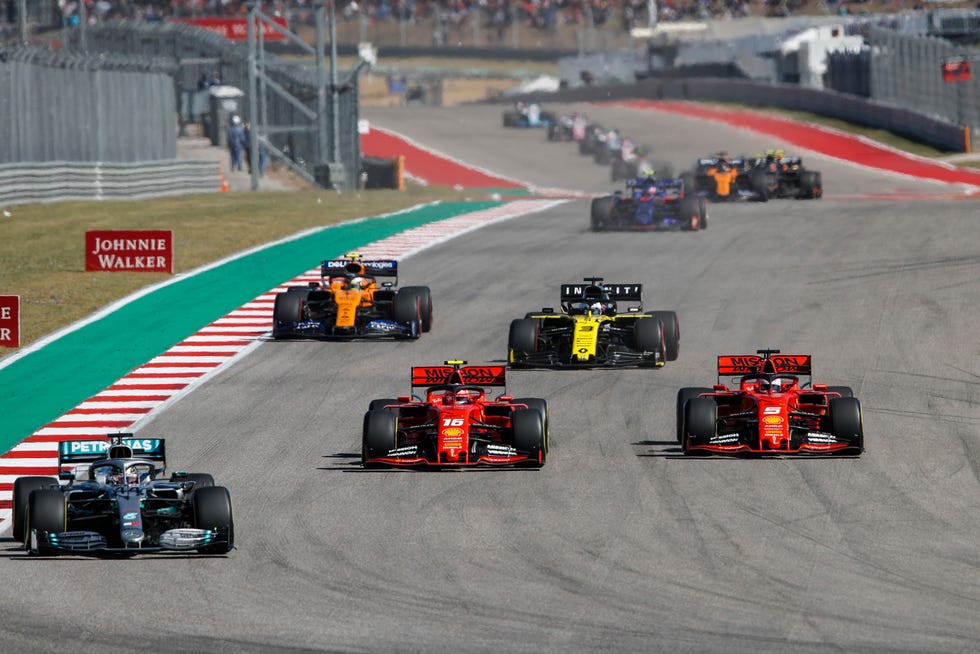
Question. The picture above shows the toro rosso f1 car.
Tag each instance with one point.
(349, 303)
(589, 330)
(765, 409)
(114, 497)
(455, 423)
(650, 204)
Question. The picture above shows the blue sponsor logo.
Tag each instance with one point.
(308, 325)
(383, 326)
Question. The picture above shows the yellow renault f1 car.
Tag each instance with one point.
(590, 330)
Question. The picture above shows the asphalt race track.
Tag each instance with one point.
(619, 543)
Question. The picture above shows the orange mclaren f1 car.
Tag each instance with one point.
(348, 303)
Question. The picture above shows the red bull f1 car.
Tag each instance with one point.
(455, 423)
(766, 404)
(113, 497)
(591, 330)
(349, 303)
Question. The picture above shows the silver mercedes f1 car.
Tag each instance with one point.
(113, 496)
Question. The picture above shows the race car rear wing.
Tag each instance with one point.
(617, 292)
(456, 373)
(74, 453)
(731, 365)
(372, 267)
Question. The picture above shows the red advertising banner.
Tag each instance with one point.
(956, 69)
(235, 28)
(9, 321)
(129, 250)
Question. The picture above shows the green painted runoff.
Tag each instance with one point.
(43, 385)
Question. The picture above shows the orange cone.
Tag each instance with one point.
(222, 178)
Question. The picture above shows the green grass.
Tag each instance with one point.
(42, 256)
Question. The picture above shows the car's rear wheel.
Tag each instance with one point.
(522, 339)
(690, 213)
(648, 336)
(760, 185)
(847, 421)
(213, 511)
(379, 436)
(425, 303)
(672, 332)
(700, 422)
(811, 185)
(529, 435)
(703, 211)
(46, 511)
(23, 487)
(683, 395)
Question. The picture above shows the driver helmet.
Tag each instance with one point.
(781, 384)
(648, 172)
(598, 300)
(356, 282)
(763, 386)
(132, 476)
(463, 397)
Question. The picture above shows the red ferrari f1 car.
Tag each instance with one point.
(765, 409)
(456, 423)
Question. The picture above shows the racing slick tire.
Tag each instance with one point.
(603, 156)
(379, 405)
(511, 118)
(690, 181)
(200, 479)
(700, 422)
(690, 213)
(760, 186)
(541, 406)
(380, 435)
(847, 421)
(212, 510)
(811, 185)
(522, 339)
(23, 487)
(672, 333)
(843, 391)
(648, 336)
(46, 511)
(425, 304)
(288, 308)
(406, 309)
(601, 213)
(529, 435)
(703, 212)
(683, 395)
